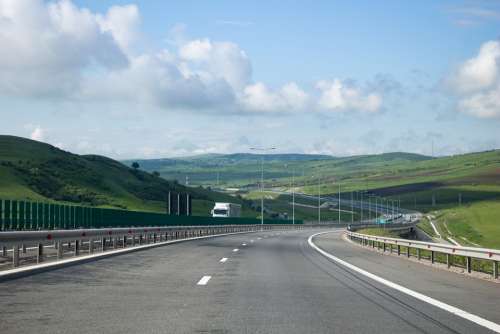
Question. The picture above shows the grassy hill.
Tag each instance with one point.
(465, 188)
(33, 170)
(237, 170)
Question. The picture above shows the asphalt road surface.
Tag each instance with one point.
(264, 282)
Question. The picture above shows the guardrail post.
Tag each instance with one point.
(24, 248)
(448, 260)
(495, 269)
(408, 251)
(399, 250)
(15, 256)
(115, 242)
(39, 257)
(59, 250)
(133, 239)
(469, 264)
(140, 239)
(432, 257)
(91, 246)
(77, 247)
(103, 244)
(384, 246)
(419, 256)
(154, 238)
(124, 241)
(4, 251)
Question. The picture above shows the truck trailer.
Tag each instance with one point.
(226, 210)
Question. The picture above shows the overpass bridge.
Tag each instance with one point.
(282, 279)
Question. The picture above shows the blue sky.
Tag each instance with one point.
(156, 79)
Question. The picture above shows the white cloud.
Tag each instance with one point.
(338, 96)
(44, 48)
(482, 105)
(61, 51)
(220, 60)
(122, 22)
(479, 72)
(38, 134)
(477, 82)
(258, 97)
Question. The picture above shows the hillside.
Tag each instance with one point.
(38, 171)
(242, 169)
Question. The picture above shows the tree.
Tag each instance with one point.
(156, 174)
(135, 165)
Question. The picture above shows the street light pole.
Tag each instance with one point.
(369, 207)
(319, 199)
(293, 197)
(361, 197)
(352, 208)
(339, 203)
(262, 179)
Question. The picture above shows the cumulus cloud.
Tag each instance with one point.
(483, 105)
(122, 22)
(220, 60)
(477, 82)
(339, 96)
(258, 97)
(59, 50)
(44, 48)
(479, 72)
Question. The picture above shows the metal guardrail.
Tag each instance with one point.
(16, 245)
(468, 253)
(389, 226)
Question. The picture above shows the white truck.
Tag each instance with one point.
(226, 210)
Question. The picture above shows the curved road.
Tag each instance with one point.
(275, 283)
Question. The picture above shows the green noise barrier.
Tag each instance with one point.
(24, 215)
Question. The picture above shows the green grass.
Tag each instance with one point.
(35, 171)
(425, 226)
(378, 232)
(478, 223)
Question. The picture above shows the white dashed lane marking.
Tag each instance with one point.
(235, 250)
(204, 280)
(224, 259)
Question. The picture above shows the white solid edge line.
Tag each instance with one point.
(454, 310)
(224, 259)
(235, 250)
(204, 280)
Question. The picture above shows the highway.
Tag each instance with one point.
(264, 282)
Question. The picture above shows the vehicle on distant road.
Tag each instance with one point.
(226, 210)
